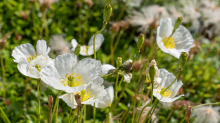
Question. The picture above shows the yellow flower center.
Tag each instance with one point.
(85, 94)
(71, 80)
(85, 49)
(169, 42)
(32, 57)
(163, 93)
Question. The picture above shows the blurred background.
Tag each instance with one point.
(60, 21)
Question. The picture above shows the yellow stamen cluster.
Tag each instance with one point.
(166, 93)
(72, 80)
(85, 94)
(32, 57)
(85, 49)
(169, 42)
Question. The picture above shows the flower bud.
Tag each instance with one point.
(2, 43)
(50, 102)
(118, 62)
(78, 100)
(126, 66)
(152, 72)
(182, 60)
(107, 12)
(178, 23)
(140, 41)
(188, 113)
(115, 27)
(77, 50)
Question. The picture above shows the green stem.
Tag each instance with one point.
(116, 87)
(4, 116)
(33, 20)
(119, 85)
(182, 120)
(38, 89)
(122, 11)
(70, 115)
(3, 74)
(118, 39)
(169, 115)
(85, 26)
(217, 103)
(80, 117)
(55, 105)
(155, 103)
(43, 23)
(57, 111)
(84, 106)
(103, 27)
(94, 113)
(112, 48)
(152, 113)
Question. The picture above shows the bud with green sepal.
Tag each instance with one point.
(77, 50)
(140, 41)
(182, 60)
(118, 62)
(152, 72)
(38, 67)
(107, 12)
(178, 23)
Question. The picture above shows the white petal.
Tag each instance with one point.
(107, 99)
(23, 66)
(166, 27)
(69, 99)
(88, 68)
(23, 51)
(98, 40)
(65, 63)
(41, 60)
(74, 44)
(105, 68)
(127, 77)
(42, 47)
(88, 50)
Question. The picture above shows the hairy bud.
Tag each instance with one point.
(78, 100)
(126, 66)
(107, 12)
(188, 113)
(140, 41)
(77, 50)
(178, 23)
(118, 62)
(182, 60)
(50, 102)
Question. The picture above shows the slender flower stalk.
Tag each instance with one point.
(4, 116)
(94, 113)
(57, 108)
(50, 104)
(39, 89)
(56, 103)
(169, 115)
(3, 74)
(152, 108)
(84, 118)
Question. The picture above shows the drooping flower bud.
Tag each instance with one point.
(140, 41)
(118, 62)
(2, 43)
(107, 12)
(50, 102)
(77, 50)
(182, 60)
(78, 100)
(178, 23)
(126, 66)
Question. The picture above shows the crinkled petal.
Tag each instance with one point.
(69, 99)
(127, 77)
(88, 68)
(74, 44)
(23, 51)
(23, 66)
(42, 48)
(105, 68)
(98, 40)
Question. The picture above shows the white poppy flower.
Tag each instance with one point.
(170, 93)
(107, 67)
(70, 76)
(88, 50)
(30, 61)
(180, 41)
(93, 93)
(157, 79)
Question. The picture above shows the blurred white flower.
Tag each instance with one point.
(88, 50)
(157, 79)
(180, 41)
(148, 16)
(174, 12)
(107, 67)
(170, 93)
(93, 93)
(58, 43)
(31, 62)
(70, 76)
(133, 3)
(206, 114)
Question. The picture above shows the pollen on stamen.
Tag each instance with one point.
(166, 93)
(169, 42)
(85, 94)
(72, 80)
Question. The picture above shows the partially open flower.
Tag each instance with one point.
(180, 41)
(70, 76)
(169, 94)
(30, 62)
(206, 114)
(93, 93)
(88, 50)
